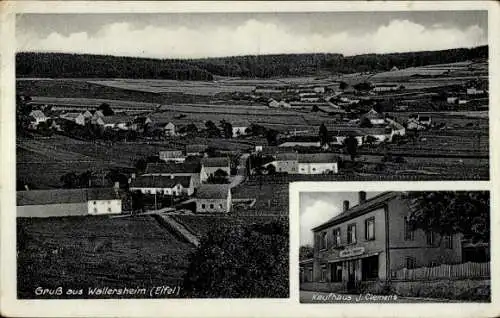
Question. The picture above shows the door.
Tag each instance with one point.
(351, 276)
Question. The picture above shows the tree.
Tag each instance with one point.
(218, 177)
(315, 108)
(451, 212)
(106, 109)
(69, 180)
(227, 129)
(272, 137)
(306, 252)
(324, 136)
(365, 123)
(343, 85)
(140, 165)
(241, 261)
(271, 169)
(137, 201)
(351, 145)
(212, 129)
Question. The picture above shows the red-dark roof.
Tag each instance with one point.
(213, 191)
(317, 157)
(357, 210)
(160, 181)
(171, 168)
(58, 196)
(215, 162)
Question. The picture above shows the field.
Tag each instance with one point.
(82, 252)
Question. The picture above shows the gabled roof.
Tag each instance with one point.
(37, 114)
(59, 196)
(116, 119)
(215, 162)
(373, 114)
(359, 209)
(160, 181)
(213, 191)
(172, 168)
(71, 115)
(317, 157)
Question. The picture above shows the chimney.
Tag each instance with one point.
(346, 205)
(362, 197)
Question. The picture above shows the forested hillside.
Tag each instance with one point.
(263, 66)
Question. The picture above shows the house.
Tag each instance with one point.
(176, 156)
(68, 202)
(77, 118)
(36, 117)
(210, 165)
(425, 120)
(338, 137)
(394, 68)
(306, 270)
(368, 243)
(98, 113)
(475, 91)
(122, 122)
(258, 148)
(284, 162)
(87, 115)
(452, 100)
(167, 128)
(377, 135)
(175, 170)
(213, 198)
(196, 149)
(374, 117)
(240, 128)
(96, 120)
(284, 104)
(163, 185)
(386, 87)
(143, 121)
(396, 128)
(317, 163)
(273, 103)
(301, 141)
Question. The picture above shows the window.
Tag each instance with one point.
(314, 169)
(351, 234)
(323, 241)
(370, 229)
(336, 272)
(430, 238)
(95, 202)
(220, 206)
(336, 237)
(203, 206)
(95, 210)
(323, 273)
(211, 206)
(408, 232)
(448, 241)
(109, 209)
(411, 262)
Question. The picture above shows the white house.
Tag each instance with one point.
(87, 114)
(284, 162)
(176, 156)
(37, 116)
(452, 100)
(317, 163)
(240, 128)
(163, 185)
(397, 128)
(210, 165)
(339, 136)
(213, 198)
(175, 170)
(375, 117)
(68, 202)
(386, 87)
(77, 118)
(168, 128)
(273, 103)
(474, 91)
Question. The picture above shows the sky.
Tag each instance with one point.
(318, 207)
(197, 35)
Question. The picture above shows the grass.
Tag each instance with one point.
(82, 252)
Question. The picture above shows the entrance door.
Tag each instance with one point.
(351, 276)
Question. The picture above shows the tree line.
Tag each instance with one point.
(259, 66)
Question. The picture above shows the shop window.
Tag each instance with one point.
(369, 267)
(370, 229)
(337, 241)
(336, 272)
(351, 234)
(411, 262)
(408, 232)
(448, 241)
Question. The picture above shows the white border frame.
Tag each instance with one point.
(10, 306)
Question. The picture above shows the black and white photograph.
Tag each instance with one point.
(156, 148)
(393, 247)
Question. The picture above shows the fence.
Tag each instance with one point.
(465, 270)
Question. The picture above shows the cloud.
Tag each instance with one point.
(315, 214)
(251, 37)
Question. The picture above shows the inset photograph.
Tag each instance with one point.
(387, 247)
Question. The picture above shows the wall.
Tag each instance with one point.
(317, 168)
(374, 246)
(41, 211)
(418, 248)
(220, 205)
(289, 166)
(104, 207)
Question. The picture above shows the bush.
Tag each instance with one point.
(243, 261)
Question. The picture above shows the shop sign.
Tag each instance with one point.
(355, 251)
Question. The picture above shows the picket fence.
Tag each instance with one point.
(464, 270)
